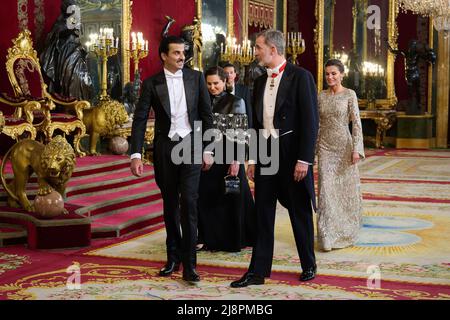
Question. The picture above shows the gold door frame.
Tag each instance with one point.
(127, 20)
(244, 10)
(391, 99)
(125, 28)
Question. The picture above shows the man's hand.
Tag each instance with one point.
(355, 157)
(137, 167)
(233, 170)
(251, 172)
(300, 171)
(208, 161)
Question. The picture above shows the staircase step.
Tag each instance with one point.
(119, 180)
(92, 206)
(103, 189)
(128, 221)
(12, 234)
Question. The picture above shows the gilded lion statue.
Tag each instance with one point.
(53, 164)
(102, 120)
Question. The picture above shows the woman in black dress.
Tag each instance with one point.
(226, 221)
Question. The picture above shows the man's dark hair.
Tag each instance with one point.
(165, 42)
(227, 64)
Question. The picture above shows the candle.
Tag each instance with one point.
(117, 42)
(146, 45)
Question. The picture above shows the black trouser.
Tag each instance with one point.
(294, 197)
(179, 188)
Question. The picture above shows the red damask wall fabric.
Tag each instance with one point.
(148, 17)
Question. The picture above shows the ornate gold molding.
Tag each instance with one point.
(318, 41)
(22, 14)
(430, 67)
(127, 20)
(230, 18)
(16, 131)
(391, 99)
(442, 83)
(245, 18)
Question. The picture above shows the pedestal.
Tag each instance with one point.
(415, 131)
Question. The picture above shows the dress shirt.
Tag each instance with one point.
(178, 107)
(179, 118)
(270, 98)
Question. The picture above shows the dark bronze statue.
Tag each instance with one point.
(412, 74)
(192, 42)
(165, 31)
(131, 94)
(63, 59)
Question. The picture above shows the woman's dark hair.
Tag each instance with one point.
(337, 63)
(218, 71)
(165, 42)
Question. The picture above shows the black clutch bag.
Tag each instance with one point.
(232, 185)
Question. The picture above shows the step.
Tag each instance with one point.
(121, 223)
(98, 186)
(94, 205)
(12, 234)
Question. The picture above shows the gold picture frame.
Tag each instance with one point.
(125, 29)
(390, 100)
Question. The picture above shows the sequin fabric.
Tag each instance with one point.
(340, 199)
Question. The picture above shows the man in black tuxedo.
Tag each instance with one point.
(180, 100)
(285, 109)
(239, 90)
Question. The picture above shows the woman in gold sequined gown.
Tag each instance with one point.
(338, 152)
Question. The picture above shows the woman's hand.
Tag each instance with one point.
(233, 170)
(355, 157)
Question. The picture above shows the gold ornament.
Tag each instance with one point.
(103, 120)
(53, 164)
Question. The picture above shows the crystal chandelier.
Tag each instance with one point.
(438, 9)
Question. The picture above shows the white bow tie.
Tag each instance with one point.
(174, 76)
(272, 73)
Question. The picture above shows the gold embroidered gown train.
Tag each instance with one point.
(340, 199)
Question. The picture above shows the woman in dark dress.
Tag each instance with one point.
(226, 221)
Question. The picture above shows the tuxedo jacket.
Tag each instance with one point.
(155, 94)
(296, 118)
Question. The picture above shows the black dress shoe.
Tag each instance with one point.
(191, 276)
(248, 279)
(202, 248)
(308, 274)
(169, 268)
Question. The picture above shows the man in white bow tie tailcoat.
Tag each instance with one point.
(180, 100)
(285, 109)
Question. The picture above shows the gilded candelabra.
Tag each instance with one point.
(374, 78)
(104, 47)
(243, 53)
(295, 45)
(139, 49)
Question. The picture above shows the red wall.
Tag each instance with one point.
(9, 25)
(407, 28)
(148, 17)
(306, 25)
